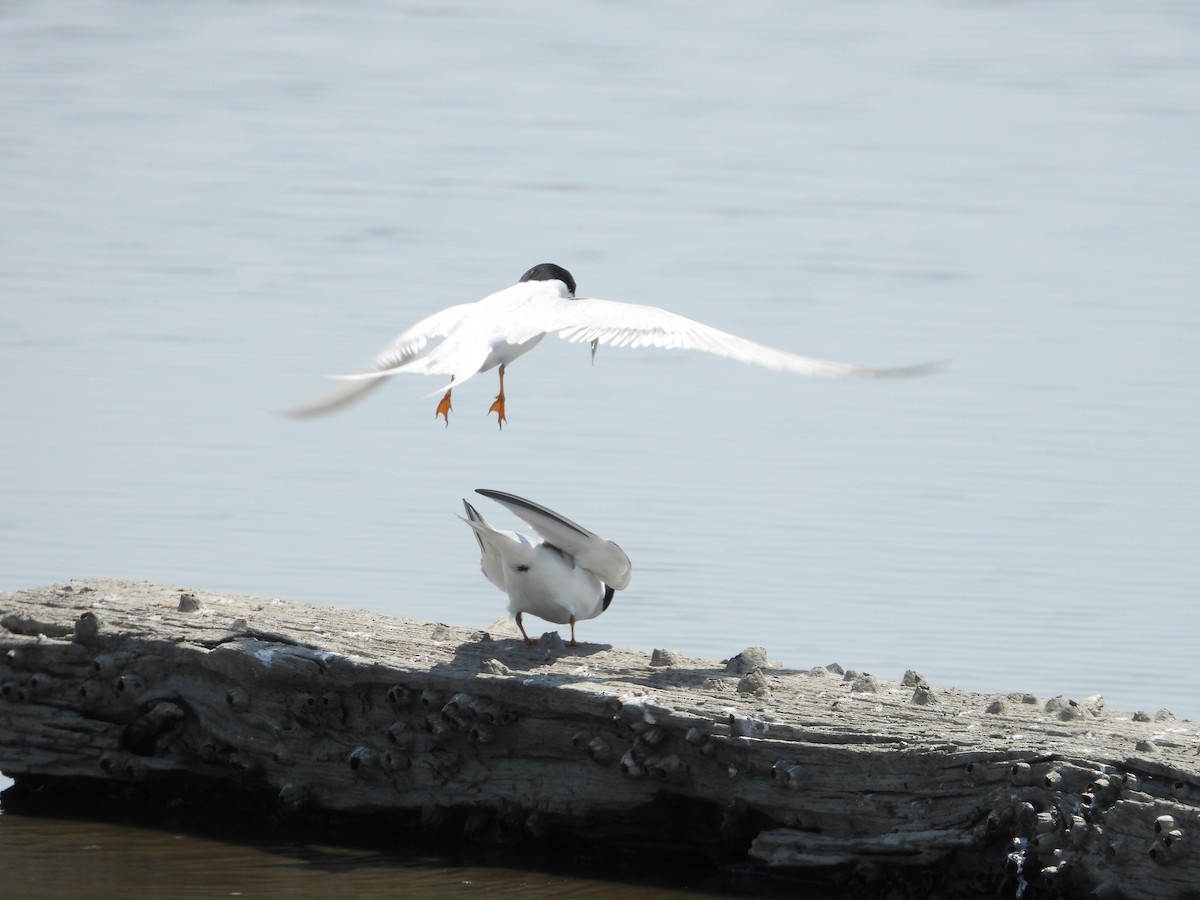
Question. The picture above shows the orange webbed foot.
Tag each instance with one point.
(498, 409)
(443, 409)
(498, 406)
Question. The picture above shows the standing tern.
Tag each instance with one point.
(476, 337)
(564, 575)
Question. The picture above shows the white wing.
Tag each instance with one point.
(498, 329)
(603, 558)
(404, 348)
(634, 325)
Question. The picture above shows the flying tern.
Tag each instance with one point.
(564, 574)
(476, 337)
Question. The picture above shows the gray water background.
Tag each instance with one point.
(206, 207)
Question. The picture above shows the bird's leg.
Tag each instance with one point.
(498, 406)
(528, 642)
(573, 642)
(443, 407)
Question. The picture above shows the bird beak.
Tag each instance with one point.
(595, 344)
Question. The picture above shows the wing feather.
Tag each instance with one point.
(404, 349)
(634, 325)
(601, 557)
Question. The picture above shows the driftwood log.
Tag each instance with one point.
(878, 783)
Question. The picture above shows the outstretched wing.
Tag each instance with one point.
(634, 325)
(404, 349)
(603, 558)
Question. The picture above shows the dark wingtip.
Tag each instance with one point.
(492, 494)
(511, 500)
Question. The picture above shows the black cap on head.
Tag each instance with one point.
(550, 272)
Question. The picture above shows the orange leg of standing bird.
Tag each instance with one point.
(444, 407)
(498, 406)
(523, 634)
(573, 643)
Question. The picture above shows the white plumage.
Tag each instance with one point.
(565, 575)
(494, 331)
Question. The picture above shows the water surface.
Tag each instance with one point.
(47, 858)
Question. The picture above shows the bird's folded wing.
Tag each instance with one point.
(634, 325)
(601, 557)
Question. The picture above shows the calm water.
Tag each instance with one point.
(204, 208)
(92, 859)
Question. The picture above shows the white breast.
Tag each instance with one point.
(553, 589)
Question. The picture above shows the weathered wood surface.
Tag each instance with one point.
(353, 712)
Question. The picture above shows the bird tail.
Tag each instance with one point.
(474, 519)
(511, 549)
